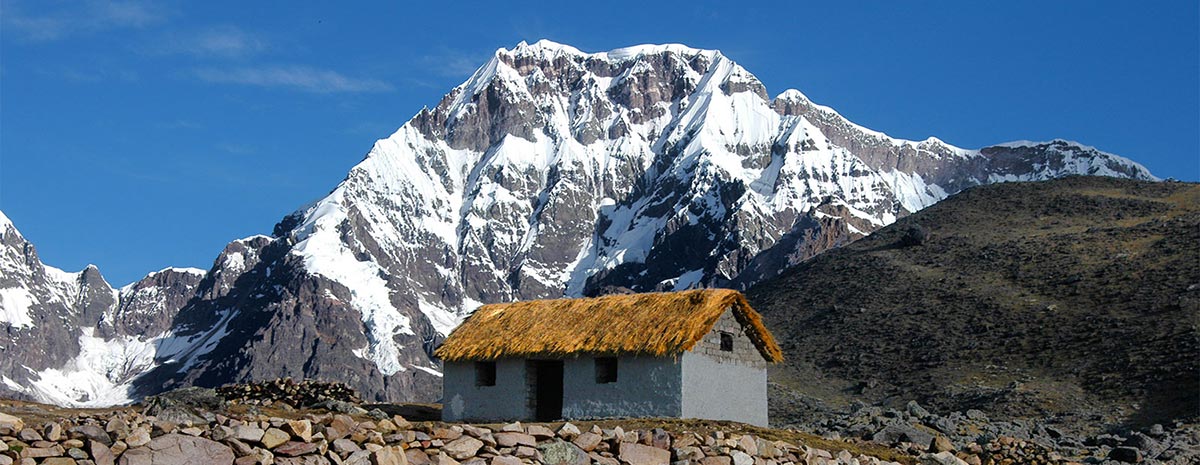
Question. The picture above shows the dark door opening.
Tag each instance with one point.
(546, 383)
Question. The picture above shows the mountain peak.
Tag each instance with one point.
(554, 172)
(548, 47)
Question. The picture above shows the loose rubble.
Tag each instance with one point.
(973, 438)
(133, 437)
(198, 426)
(306, 393)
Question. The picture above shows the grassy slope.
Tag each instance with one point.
(1067, 299)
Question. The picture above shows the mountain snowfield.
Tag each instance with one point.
(550, 172)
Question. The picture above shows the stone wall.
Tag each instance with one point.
(132, 438)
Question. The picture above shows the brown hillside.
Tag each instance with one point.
(1077, 299)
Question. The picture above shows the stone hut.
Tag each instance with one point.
(691, 354)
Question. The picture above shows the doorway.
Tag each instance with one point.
(546, 385)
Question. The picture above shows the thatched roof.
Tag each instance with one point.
(657, 324)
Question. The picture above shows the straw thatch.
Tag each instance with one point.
(657, 324)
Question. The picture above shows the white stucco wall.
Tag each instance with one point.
(462, 400)
(645, 387)
(719, 385)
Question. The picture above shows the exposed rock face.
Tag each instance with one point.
(58, 330)
(550, 172)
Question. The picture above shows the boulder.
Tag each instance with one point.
(1136, 440)
(443, 459)
(389, 456)
(476, 431)
(295, 449)
(505, 460)
(462, 448)
(52, 431)
(344, 446)
(417, 457)
(1125, 454)
(179, 449)
(139, 437)
(569, 431)
(300, 429)
(509, 439)
(101, 454)
(748, 445)
(11, 423)
(941, 458)
(275, 437)
(306, 460)
(248, 433)
(446, 434)
(638, 454)
(587, 441)
(659, 438)
(540, 432)
(29, 435)
(916, 410)
(93, 433)
(692, 453)
(941, 444)
(945, 425)
(117, 426)
(742, 458)
(190, 405)
(362, 457)
(559, 452)
(976, 415)
(892, 434)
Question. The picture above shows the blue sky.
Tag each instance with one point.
(138, 135)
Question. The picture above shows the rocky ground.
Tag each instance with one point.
(1074, 300)
(258, 424)
(916, 430)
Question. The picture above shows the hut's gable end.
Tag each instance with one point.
(743, 349)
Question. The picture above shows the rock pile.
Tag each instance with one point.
(975, 439)
(284, 390)
(133, 438)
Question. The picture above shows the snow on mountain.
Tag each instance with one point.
(554, 172)
(72, 338)
(549, 172)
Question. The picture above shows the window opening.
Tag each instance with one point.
(485, 373)
(606, 370)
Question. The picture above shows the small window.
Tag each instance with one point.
(726, 342)
(606, 370)
(485, 373)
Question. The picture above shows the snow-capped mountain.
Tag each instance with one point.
(550, 172)
(71, 338)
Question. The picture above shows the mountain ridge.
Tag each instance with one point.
(555, 172)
